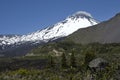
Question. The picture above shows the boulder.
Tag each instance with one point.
(98, 64)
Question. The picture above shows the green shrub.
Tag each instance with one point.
(22, 72)
(89, 55)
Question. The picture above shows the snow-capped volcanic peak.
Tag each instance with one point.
(64, 28)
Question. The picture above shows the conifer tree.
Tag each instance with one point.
(63, 61)
(72, 60)
(51, 62)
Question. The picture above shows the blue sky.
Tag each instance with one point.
(26, 16)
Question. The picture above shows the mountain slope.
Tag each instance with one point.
(105, 32)
(20, 45)
(61, 29)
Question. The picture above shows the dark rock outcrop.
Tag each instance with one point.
(98, 64)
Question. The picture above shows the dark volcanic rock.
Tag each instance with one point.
(98, 64)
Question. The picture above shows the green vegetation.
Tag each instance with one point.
(72, 60)
(51, 62)
(89, 56)
(63, 61)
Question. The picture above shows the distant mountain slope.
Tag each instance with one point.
(105, 32)
(64, 28)
(21, 44)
